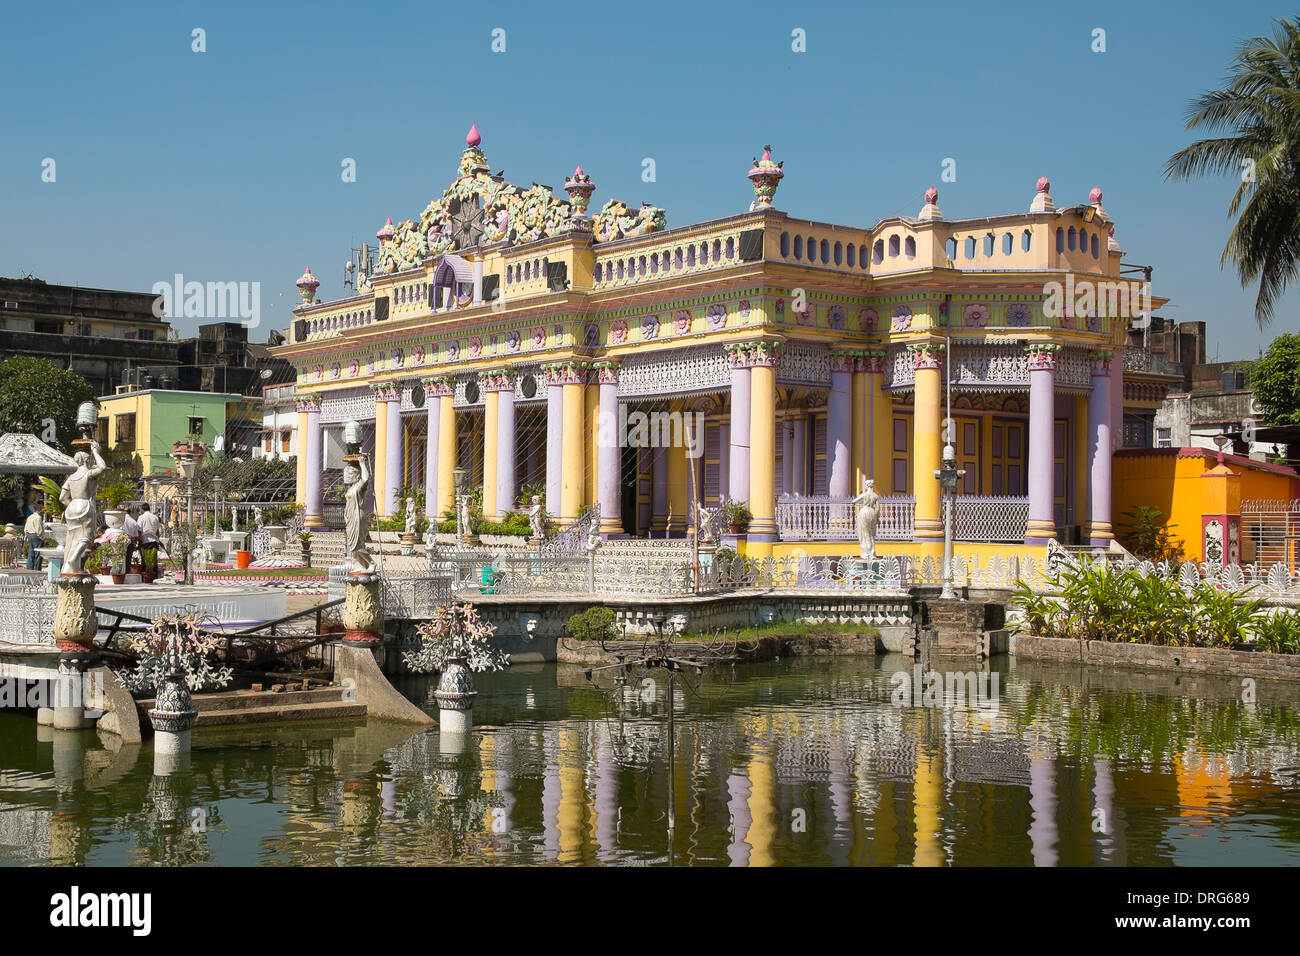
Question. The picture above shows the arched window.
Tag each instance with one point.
(812, 249)
(798, 247)
(654, 265)
(677, 258)
(909, 247)
(878, 252)
(1026, 240)
(621, 268)
(1096, 246)
(1060, 239)
(1008, 243)
(641, 266)
(951, 248)
(704, 253)
(785, 245)
(862, 256)
(839, 253)
(731, 247)
(970, 247)
(893, 246)
(690, 257)
(1071, 238)
(826, 252)
(853, 257)
(717, 250)
(988, 245)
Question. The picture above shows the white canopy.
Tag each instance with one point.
(22, 453)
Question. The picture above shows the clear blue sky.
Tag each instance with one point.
(225, 165)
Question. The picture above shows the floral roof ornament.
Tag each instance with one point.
(930, 211)
(307, 285)
(765, 176)
(22, 453)
(579, 187)
(479, 208)
(386, 232)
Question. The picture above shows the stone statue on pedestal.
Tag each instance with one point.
(536, 520)
(78, 497)
(463, 523)
(703, 524)
(356, 516)
(868, 514)
(410, 516)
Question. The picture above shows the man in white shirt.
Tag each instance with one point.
(150, 528)
(34, 531)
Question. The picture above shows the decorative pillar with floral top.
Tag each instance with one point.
(307, 285)
(765, 176)
(1041, 526)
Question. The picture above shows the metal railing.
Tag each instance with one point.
(823, 518)
(995, 519)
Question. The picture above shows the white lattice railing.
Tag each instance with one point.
(823, 518)
(979, 518)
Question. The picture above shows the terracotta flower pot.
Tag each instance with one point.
(119, 578)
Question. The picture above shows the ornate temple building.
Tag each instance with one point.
(512, 337)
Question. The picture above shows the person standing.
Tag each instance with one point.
(132, 529)
(34, 530)
(150, 528)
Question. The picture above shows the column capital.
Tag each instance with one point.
(1042, 356)
(498, 380)
(758, 353)
(871, 361)
(566, 373)
(438, 386)
(843, 361)
(927, 354)
(1100, 363)
(606, 373)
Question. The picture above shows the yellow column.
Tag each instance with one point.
(591, 435)
(881, 439)
(926, 446)
(762, 451)
(380, 465)
(858, 424)
(491, 401)
(446, 449)
(301, 495)
(574, 475)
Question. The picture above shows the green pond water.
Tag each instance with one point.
(806, 761)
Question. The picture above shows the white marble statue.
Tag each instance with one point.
(703, 524)
(78, 498)
(868, 515)
(410, 516)
(257, 519)
(356, 516)
(536, 519)
(463, 523)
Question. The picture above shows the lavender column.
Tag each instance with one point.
(505, 444)
(1100, 531)
(432, 408)
(738, 470)
(312, 506)
(608, 484)
(393, 454)
(1042, 374)
(839, 419)
(554, 440)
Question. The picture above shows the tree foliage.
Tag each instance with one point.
(1276, 381)
(35, 393)
(1255, 120)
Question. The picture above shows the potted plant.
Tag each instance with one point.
(113, 553)
(277, 517)
(304, 541)
(738, 516)
(113, 494)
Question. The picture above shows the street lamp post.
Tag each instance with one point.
(948, 476)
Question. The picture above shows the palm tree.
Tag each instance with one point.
(1258, 114)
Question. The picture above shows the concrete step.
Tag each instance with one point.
(324, 710)
(243, 699)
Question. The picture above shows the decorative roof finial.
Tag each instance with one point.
(930, 210)
(472, 138)
(386, 232)
(766, 176)
(1094, 195)
(1043, 201)
(307, 285)
(579, 187)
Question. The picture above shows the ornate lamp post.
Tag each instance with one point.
(948, 476)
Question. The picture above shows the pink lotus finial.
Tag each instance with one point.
(1094, 195)
(577, 172)
(1044, 185)
(472, 138)
(931, 196)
